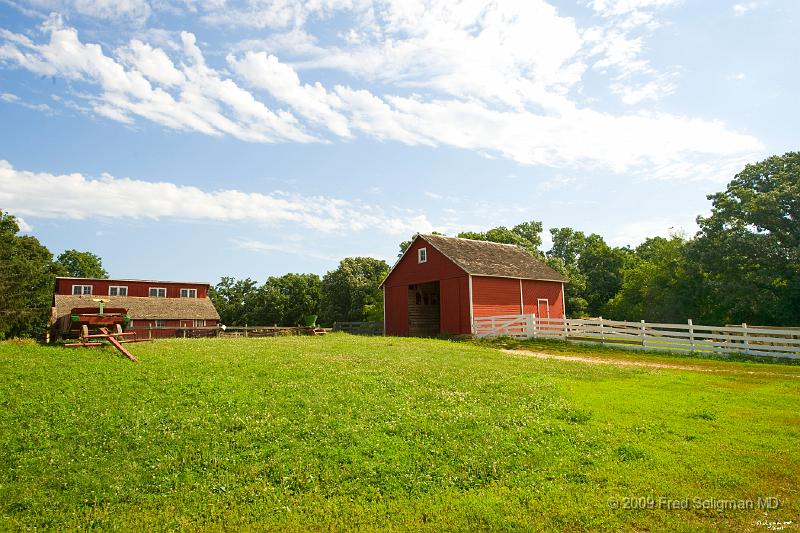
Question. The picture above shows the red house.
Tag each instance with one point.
(155, 308)
(440, 284)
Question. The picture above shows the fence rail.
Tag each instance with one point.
(359, 328)
(689, 337)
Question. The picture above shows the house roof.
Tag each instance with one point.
(483, 258)
(114, 280)
(144, 308)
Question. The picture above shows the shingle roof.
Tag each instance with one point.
(482, 258)
(144, 308)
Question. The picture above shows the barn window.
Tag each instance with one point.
(158, 292)
(116, 290)
(161, 323)
(199, 323)
(422, 255)
(188, 293)
(81, 290)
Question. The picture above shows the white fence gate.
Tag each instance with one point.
(689, 337)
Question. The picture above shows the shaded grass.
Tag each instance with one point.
(346, 432)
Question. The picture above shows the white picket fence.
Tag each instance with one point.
(689, 337)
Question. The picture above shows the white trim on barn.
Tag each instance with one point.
(471, 313)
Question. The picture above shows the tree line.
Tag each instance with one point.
(27, 278)
(743, 265)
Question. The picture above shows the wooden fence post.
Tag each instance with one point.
(245, 330)
(150, 331)
(691, 334)
(566, 328)
(644, 336)
(533, 324)
(494, 327)
(746, 338)
(602, 333)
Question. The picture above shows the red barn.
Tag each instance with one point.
(156, 308)
(441, 283)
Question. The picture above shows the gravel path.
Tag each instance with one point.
(646, 364)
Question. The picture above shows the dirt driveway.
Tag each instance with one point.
(647, 364)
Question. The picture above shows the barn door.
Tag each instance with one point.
(423, 310)
(543, 308)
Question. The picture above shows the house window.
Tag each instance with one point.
(422, 255)
(158, 292)
(188, 293)
(81, 290)
(116, 290)
(161, 323)
(199, 323)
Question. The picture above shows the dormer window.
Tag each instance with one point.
(188, 293)
(81, 290)
(118, 290)
(422, 255)
(157, 292)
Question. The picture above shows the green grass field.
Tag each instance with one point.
(343, 432)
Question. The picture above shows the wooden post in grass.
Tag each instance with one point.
(691, 334)
(644, 336)
(602, 332)
(245, 330)
(746, 338)
(533, 324)
(150, 331)
(566, 327)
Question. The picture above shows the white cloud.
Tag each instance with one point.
(253, 245)
(114, 10)
(744, 7)
(74, 196)
(12, 98)
(24, 227)
(559, 182)
(313, 102)
(193, 97)
(634, 233)
(495, 79)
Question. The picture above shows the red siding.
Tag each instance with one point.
(495, 296)
(396, 304)
(551, 290)
(453, 290)
(454, 306)
(135, 288)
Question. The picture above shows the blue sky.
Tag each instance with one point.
(181, 139)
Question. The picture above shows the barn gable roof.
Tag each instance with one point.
(144, 308)
(491, 259)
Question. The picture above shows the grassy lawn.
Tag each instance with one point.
(343, 432)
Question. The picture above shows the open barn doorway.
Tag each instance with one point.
(423, 309)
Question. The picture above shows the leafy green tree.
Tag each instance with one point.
(602, 266)
(348, 289)
(235, 300)
(27, 279)
(79, 264)
(658, 283)
(526, 235)
(286, 300)
(592, 267)
(749, 247)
